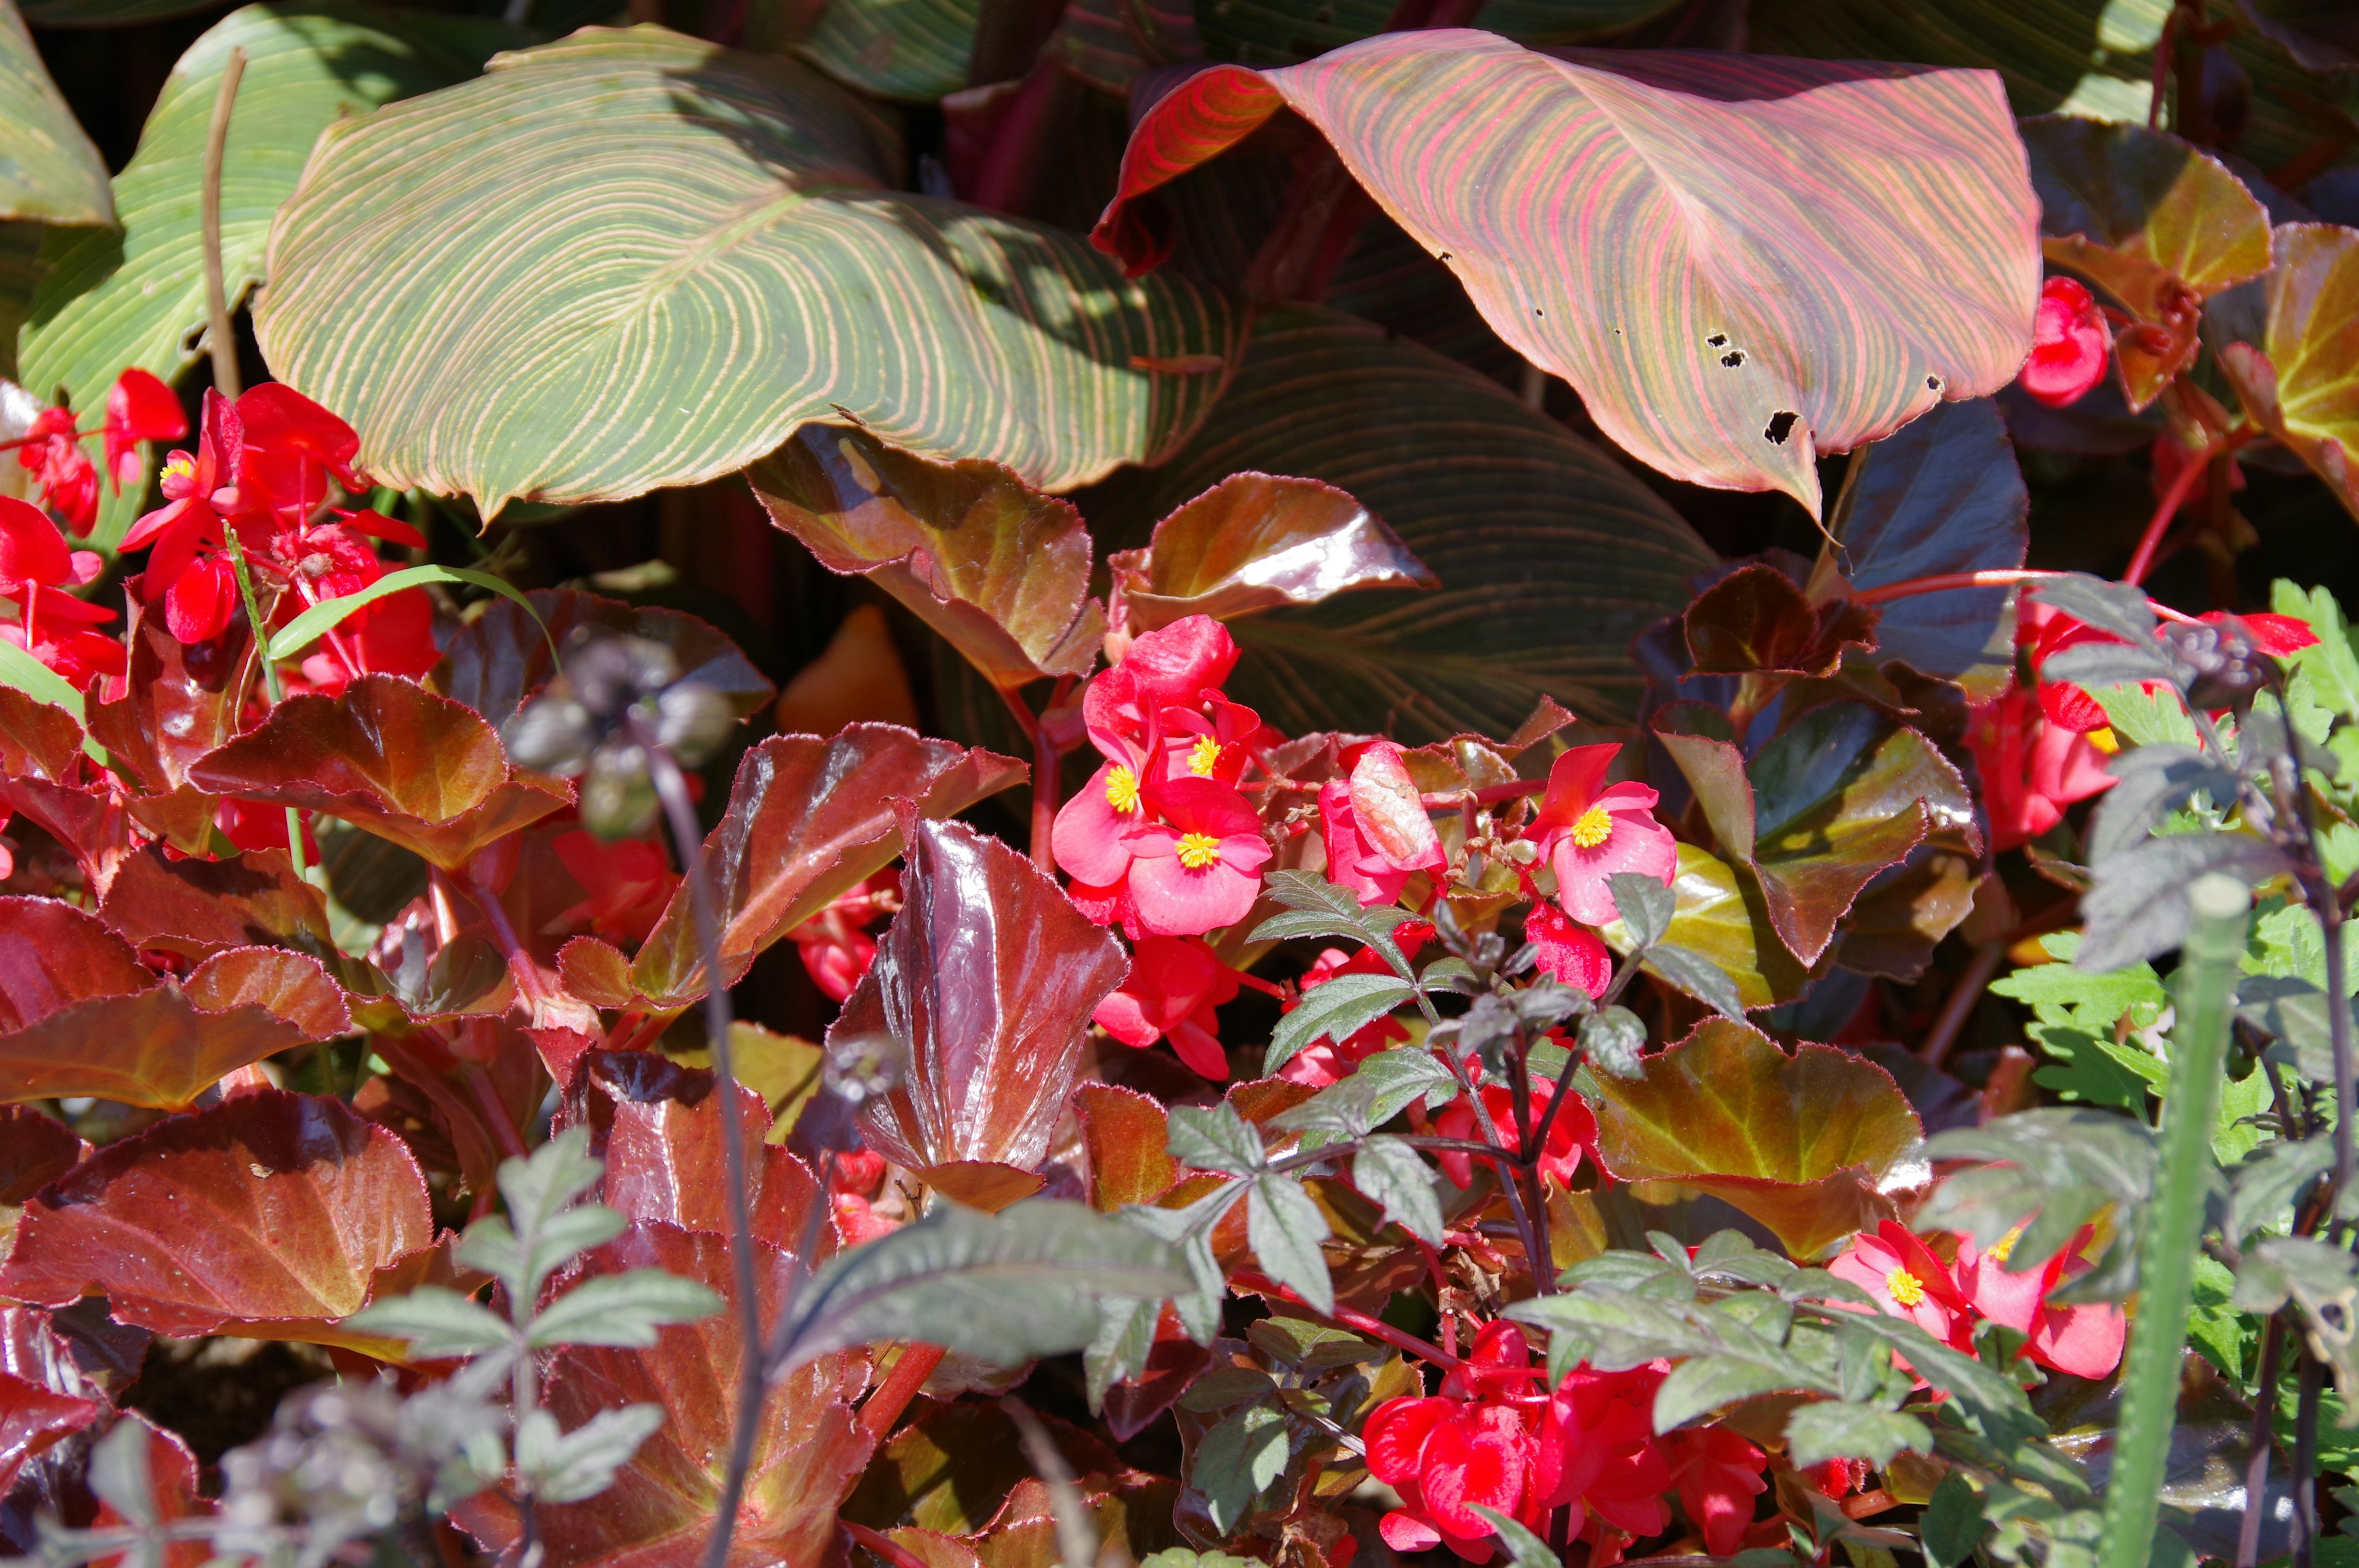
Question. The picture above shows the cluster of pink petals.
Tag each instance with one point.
(627, 881)
(1160, 839)
(2070, 343)
(1374, 825)
(38, 574)
(1173, 987)
(1496, 1437)
(1570, 1136)
(1588, 830)
(263, 468)
(138, 408)
(835, 944)
(1908, 1280)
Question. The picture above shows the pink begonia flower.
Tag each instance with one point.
(1088, 837)
(2085, 1340)
(1173, 985)
(1718, 1475)
(1375, 827)
(1588, 833)
(1573, 955)
(1200, 867)
(2069, 341)
(1906, 1281)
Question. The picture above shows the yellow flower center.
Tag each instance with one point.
(1999, 1249)
(1122, 790)
(2104, 740)
(1198, 850)
(1904, 1287)
(1596, 826)
(1204, 756)
(179, 465)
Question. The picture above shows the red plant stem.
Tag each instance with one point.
(1942, 582)
(2181, 484)
(1961, 1005)
(1267, 988)
(1375, 1328)
(1047, 758)
(910, 1370)
(521, 967)
(885, 1546)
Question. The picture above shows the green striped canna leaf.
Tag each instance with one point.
(1550, 556)
(136, 297)
(631, 260)
(1741, 263)
(913, 51)
(49, 169)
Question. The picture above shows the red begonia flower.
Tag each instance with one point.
(2085, 1340)
(1445, 1457)
(52, 451)
(2032, 766)
(1200, 867)
(2069, 341)
(1327, 1060)
(2279, 636)
(1375, 827)
(834, 944)
(290, 449)
(1173, 987)
(1572, 954)
(1906, 1281)
(1589, 830)
(1718, 1475)
(1602, 1425)
(1087, 839)
(1573, 1134)
(628, 881)
(1178, 663)
(138, 408)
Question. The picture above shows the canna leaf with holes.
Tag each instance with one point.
(806, 820)
(1257, 542)
(136, 296)
(766, 275)
(998, 568)
(2156, 224)
(1549, 555)
(1943, 494)
(502, 656)
(660, 1509)
(391, 758)
(1804, 255)
(987, 976)
(51, 171)
(270, 1216)
(2297, 385)
(1800, 1142)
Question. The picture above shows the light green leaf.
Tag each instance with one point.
(1340, 1008)
(1215, 1138)
(1835, 1430)
(137, 298)
(436, 1321)
(1524, 1550)
(1029, 1281)
(621, 1309)
(49, 169)
(1394, 1175)
(1237, 1460)
(316, 621)
(630, 259)
(569, 1466)
(1284, 1227)
(37, 680)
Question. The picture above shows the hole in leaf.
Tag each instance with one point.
(1734, 358)
(1933, 384)
(1780, 426)
(1718, 340)
(1538, 311)
(1443, 256)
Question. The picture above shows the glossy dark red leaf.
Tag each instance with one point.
(271, 1215)
(178, 702)
(52, 953)
(1258, 542)
(195, 907)
(502, 656)
(657, 1126)
(35, 1149)
(808, 818)
(37, 739)
(389, 757)
(34, 1419)
(660, 1509)
(988, 976)
(1756, 619)
(1800, 1143)
(999, 568)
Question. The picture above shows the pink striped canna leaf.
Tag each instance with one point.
(1741, 263)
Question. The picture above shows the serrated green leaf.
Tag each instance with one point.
(1338, 1009)
(1284, 1227)
(1524, 1550)
(569, 1466)
(438, 1322)
(1395, 1175)
(1003, 1288)
(1614, 1038)
(1125, 1337)
(1702, 1384)
(1383, 1087)
(1835, 1430)
(621, 1310)
(1215, 1138)
(1951, 1525)
(1237, 1460)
